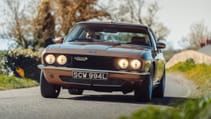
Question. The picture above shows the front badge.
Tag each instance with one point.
(82, 59)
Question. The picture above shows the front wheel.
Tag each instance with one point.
(48, 90)
(143, 91)
(158, 91)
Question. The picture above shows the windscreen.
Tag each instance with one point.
(109, 33)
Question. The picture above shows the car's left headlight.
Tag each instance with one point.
(61, 59)
(135, 64)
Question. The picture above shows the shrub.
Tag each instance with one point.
(184, 66)
(192, 109)
(154, 112)
(11, 82)
(25, 59)
(2, 62)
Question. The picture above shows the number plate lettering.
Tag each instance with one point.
(90, 75)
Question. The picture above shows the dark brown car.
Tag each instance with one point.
(105, 57)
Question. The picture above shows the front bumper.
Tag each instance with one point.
(116, 79)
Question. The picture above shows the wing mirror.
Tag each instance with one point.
(58, 40)
(161, 45)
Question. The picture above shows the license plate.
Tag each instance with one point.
(90, 75)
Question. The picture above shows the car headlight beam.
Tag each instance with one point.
(123, 63)
(61, 59)
(135, 64)
(50, 59)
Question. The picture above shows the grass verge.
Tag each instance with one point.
(200, 74)
(11, 82)
(192, 109)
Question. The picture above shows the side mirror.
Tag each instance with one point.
(161, 45)
(58, 40)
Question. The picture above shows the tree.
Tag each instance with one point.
(55, 18)
(16, 20)
(31, 22)
(198, 35)
(138, 11)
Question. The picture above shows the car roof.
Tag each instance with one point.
(113, 23)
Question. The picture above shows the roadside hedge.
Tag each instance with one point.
(192, 109)
(2, 62)
(24, 60)
(11, 82)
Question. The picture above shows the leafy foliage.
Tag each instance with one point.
(153, 112)
(138, 11)
(30, 23)
(2, 62)
(25, 59)
(11, 82)
(199, 73)
(184, 66)
(192, 109)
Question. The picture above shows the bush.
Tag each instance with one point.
(11, 82)
(2, 62)
(184, 66)
(192, 109)
(196, 109)
(154, 112)
(25, 59)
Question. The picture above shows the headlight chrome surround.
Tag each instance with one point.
(123, 63)
(135, 64)
(61, 59)
(50, 59)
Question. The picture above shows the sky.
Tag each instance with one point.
(178, 16)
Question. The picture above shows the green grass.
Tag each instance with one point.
(200, 74)
(11, 82)
(192, 109)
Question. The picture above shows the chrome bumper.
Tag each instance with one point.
(55, 74)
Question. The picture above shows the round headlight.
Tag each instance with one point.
(135, 64)
(123, 63)
(50, 59)
(61, 59)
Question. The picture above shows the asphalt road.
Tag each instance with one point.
(28, 104)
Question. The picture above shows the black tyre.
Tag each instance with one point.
(74, 91)
(143, 91)
(159, 90)
(48, 90)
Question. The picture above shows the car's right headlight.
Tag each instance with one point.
(50, 59)
(123, 63)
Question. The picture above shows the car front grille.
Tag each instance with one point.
(91, 62)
